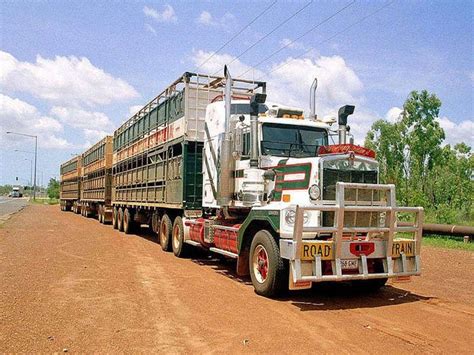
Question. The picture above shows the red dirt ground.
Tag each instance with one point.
(71, 283)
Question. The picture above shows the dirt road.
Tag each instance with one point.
(71, 283)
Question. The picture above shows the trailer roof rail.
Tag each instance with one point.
(196, 80)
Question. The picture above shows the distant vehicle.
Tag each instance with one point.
(16, 192)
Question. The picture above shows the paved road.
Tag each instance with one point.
(10, 205)
(68, 282)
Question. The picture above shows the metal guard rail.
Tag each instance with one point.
(338, 229)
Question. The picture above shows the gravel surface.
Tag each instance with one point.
(70, 284)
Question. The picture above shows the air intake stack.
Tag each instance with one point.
(343, 113)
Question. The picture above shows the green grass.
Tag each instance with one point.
(45, 201)
(447, 242)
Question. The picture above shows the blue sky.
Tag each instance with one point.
(71, 71)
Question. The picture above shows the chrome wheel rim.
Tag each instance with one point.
(260, 264)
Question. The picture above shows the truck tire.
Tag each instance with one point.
(165, 233)
(155, 223)
(120, 219)
(115, 218)
(127, 221)
(180, 248)
(267, 269)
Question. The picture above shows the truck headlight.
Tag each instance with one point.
(314, 192)
(290, 217)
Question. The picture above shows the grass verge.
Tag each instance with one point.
(447, 242)
(45, 201)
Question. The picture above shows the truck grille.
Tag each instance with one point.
(331, 177)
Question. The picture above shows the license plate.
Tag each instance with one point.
(310, 250)
(350, 264)
(403, 246)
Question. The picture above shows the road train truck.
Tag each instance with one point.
(209, 163)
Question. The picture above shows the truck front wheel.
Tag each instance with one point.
(165, 233)
(267, 269)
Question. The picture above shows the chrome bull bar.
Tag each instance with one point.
(400, 265)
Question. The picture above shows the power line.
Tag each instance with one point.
(335, 35)
(268, 34)
(238, 33)
(298, 38)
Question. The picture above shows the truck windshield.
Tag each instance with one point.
(292, 141)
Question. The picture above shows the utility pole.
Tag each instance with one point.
(36, 156)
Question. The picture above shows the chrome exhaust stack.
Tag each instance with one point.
(226, 163)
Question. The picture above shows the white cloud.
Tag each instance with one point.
(19, 116)
(205, 18)
(167, 15)
(338, 84)
(92, 136)
(78, 118)
(457, 132)
(150, 29)
(134, 109)
(290, 81)
(288, 43)
(217, 62)
(67, 80)
(226, 22)
(393, 114)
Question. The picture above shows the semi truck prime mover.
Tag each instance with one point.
(209, 163)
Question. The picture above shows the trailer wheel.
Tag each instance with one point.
(180, 248)
(120, 219)
(99, 213)
(115, 218)
(127, 221)
(165, 233)
(155, 222)
(267, 269)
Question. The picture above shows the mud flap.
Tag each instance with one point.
(302, 285)
(243, 263)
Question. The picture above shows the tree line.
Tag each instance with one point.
(427, 172)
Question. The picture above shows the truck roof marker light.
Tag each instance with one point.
(286, 198)
(346, 148)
